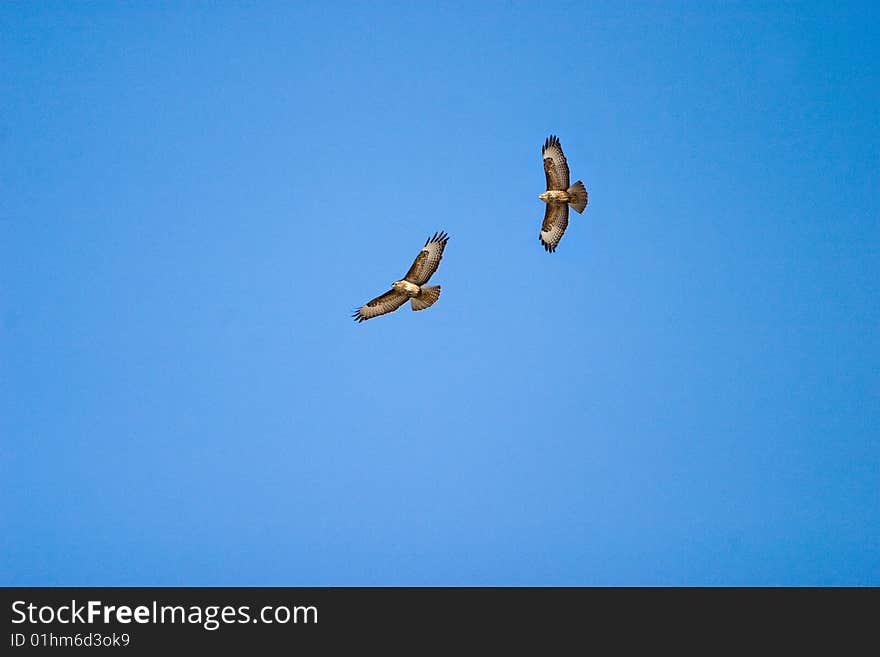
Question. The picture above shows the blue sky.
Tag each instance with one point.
(194, 197)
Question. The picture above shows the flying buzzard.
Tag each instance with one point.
(412, 286)
(558, 195)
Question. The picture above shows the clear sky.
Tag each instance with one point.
(194, 197)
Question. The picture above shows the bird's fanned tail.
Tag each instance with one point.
(577, 196)
(426, 298)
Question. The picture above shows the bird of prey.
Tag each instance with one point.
(559, 195)
(412, 285)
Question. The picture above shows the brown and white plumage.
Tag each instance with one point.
(554, 225)
(385, 303)
(559, 195)
(426, 263)
(555, 164)
(412, 285)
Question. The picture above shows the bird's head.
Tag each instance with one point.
(397, 285)
(544, 197)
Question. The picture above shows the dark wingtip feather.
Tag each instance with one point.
(547, 247)
(551, 141)
(439, 236)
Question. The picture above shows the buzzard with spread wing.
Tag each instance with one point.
(412, 286)
(559, 194)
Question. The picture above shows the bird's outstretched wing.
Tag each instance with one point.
(428, 260)
(386, 303)
(555, 164)
(555, 223)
